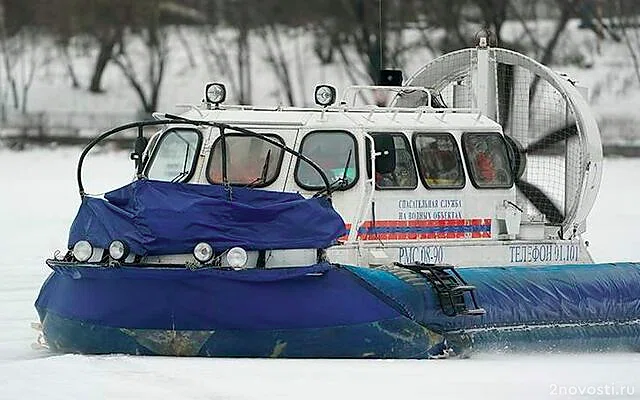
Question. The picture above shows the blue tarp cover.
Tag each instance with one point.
(155, 218)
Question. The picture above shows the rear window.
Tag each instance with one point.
(487, 160)
(335, 152)
(439, 161)
(250, 161)
(174, 155)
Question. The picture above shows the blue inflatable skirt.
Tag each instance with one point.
(330, 311)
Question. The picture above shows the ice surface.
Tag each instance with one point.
(38, 202)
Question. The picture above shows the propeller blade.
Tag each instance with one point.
(540, 201)
(552, 138)
(505, 92)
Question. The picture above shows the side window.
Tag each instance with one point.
(487, 160)
(439, 161)
(249, 160)
(174, 156)
(395, 168)
(336, 152)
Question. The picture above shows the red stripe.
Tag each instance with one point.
(423, 223)
(420, 224)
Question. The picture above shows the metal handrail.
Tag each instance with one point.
(357, 88)
(170, 119)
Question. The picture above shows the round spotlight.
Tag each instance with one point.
(203, 252)
(237, 257)
(118, 250)
(82, 251)
(215, 93)
(325, 95)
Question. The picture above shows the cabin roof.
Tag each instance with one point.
(377, 118)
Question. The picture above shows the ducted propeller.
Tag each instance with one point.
(552, 138)
(531, 192)
(540, 201)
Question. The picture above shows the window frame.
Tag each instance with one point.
(355, 156)
(156, 147)
(470, 167)
(407, 143)
(459, 159)
(240, 134)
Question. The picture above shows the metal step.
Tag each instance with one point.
(449, 286)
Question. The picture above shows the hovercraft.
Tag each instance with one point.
(444, 222)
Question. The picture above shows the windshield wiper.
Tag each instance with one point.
(178, 177)
(340, 182)
(184, 172)
(263, 175)
(265, 167)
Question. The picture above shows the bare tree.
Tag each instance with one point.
(9, 57)
(22, 57)
(228, 53)
(272, 38)
(63, 47)
(154, 54)
(243, 56)
(494, 15)
(627, 21)
(107, 39)
(449, 16)
(365, 35)
(567, 10)
(32, 59)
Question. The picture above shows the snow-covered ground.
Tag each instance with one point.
(37, 203)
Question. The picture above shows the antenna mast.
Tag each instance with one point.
(380, 37)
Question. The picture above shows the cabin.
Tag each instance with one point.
(428, 184)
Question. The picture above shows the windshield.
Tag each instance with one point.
(174, 155)
(335, 152)
(250, 161)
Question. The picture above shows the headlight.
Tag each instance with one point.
(203, 252)
(118, 250)
(215, 93)
(82, 251)
(325, 95)
(237, 257)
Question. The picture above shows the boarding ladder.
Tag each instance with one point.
(449, 286)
